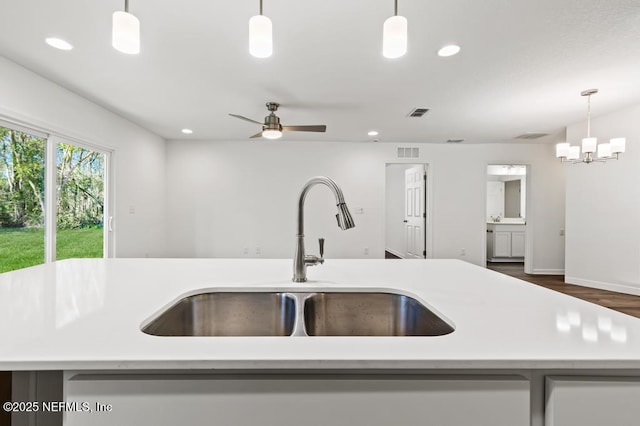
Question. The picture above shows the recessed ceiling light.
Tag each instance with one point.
(187, 131)
(58, 43)
(373, 133)
(449, 50)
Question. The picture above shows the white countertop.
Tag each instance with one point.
(86, 314)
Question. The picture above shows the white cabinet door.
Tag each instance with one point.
(501, 244)
(592, 401)
(517, 244)
(162, 400)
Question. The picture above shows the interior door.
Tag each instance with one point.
(495, 199)
(414, 212)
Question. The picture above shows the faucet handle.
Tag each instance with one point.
(321, 242)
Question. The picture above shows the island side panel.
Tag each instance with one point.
(294, 400)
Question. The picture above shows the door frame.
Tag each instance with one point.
(428, 168)
(529, 220)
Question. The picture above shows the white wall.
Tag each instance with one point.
(139, 155)
(603, 209)
(394, 208)
(227, 196)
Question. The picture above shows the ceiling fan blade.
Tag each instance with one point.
(245, 119)
(257, 135)
(318, 128)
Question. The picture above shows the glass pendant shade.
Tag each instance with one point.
(394, 37)
(604, 150)
(589, 145)
(272, 134)
(126, 33)
(617, 145)
(260, 36)
(574, 153)
(562, 150)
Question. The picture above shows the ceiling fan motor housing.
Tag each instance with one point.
(272, 122)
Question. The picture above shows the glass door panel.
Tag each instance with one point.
(80, 202)
(22, 199)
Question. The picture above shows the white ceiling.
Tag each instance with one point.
(521, 69)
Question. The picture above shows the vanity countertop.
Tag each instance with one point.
(86, 314)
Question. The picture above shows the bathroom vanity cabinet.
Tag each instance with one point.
(505, 242)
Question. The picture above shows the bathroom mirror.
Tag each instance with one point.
(506, 190)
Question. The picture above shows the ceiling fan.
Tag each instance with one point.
(272, 129)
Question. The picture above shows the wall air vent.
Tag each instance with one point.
(418, 112)
(455, 140)
(408, 152)
(532, 135)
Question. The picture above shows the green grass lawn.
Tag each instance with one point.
(22, 247)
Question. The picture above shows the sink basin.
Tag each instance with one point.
(227, 314)
(370, 314)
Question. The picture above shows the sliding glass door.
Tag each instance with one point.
(53, 199)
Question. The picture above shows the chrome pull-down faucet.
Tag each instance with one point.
(345, 221)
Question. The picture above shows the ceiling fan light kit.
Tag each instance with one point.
(394, 35)
(260, 35)
(604, 151)
(271, 127)
(125, 35)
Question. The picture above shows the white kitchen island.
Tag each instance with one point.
(515, 346)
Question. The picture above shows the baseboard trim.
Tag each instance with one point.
(618, 288)
(395, 253)
(548, 272)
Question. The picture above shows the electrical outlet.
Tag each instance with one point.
(562, 232)
(258, 251)
(366, 251)
(245, 251)
(463, 252)
(132, 210)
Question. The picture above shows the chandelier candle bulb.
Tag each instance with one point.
(604, 150)
(589, 145)
(617, 145)
(574, 153)
(562, 150)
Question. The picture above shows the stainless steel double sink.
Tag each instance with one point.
(326, 313)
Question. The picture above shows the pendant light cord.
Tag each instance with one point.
(589, 116)
(126, 6)
(260, 7)
(395, 8)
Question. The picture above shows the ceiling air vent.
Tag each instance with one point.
(455, 140)
(408, 152)
(418, 112)
(532, 135)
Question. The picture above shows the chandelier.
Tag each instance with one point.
(604, 151)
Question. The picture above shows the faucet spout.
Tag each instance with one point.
(344, 218)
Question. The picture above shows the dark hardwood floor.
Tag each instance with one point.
(621, 302)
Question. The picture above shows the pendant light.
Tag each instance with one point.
(126, 31)
(605, 151)
(260, 35)
(394, 35)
